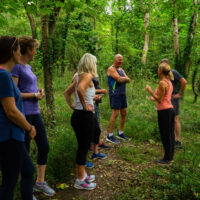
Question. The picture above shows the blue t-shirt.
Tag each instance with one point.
(176, 81)
(8, 88)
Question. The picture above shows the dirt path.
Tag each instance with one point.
(112, 174)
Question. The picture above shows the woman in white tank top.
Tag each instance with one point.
(82, 119)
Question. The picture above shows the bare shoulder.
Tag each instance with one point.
(86, 76)
(162, 84)
(110, 70)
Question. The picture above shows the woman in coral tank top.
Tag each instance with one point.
(162, 97)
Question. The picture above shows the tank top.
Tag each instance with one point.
(89, 95)
(166, 100)
(116, 87)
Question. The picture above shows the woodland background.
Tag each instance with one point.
(144, 32)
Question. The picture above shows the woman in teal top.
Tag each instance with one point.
(14, 158)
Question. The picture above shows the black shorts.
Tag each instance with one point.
(118, 101)
(175, 103)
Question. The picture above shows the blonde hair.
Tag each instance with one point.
(88, 64)
(166, 70)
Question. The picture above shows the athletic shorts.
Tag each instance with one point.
(118, 101)
(175, 103)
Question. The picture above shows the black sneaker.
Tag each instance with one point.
(178, 145)
(102, 145)
(122, 136)
(163, 162)
(112, 139)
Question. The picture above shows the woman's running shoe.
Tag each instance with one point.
(84, 185)
(102, 145)
(90, 178)
(88, 164)
(98, 155)
(45, 188)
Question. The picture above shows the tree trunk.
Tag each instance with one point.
(116, 39)
(32, 23)
(65, 32)
(95, 30)
(47, 65)
(112, 37)
(176, 42)
(188, 49)
(146, 39)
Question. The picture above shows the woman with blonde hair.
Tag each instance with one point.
(83, 120)
(162, 97)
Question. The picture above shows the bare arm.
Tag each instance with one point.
(16, 116)
(68, 92)
(84, 82)
(39, 95)
(183, 83)
(129, 80)
(113, 73)
(161, 91)
(101, 91)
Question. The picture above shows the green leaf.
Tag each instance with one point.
(3, 19)
(59, 4)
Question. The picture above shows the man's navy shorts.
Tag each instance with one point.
(175, 103)
(118, 101)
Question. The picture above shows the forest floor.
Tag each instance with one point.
(121, 169)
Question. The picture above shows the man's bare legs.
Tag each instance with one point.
(113, 118)
(177, 132)
(122, 118)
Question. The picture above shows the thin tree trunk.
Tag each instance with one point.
(95, 30)
(176, 42)
(65, 33)
(188, 49)
(112, 37)
(116, 39)
(47, 64)
(146, 39)
(32, 23)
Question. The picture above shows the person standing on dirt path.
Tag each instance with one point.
(162, 97)
(97, 99)
(97, 130)
(14, 158)
(26, 81)
(83, 120)
(176, 95)
(117, 80)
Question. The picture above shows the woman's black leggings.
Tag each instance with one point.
(40, 139)
(15, 160)
(87, 130)
(166, 126)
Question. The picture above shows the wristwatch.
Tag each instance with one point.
(36, 94)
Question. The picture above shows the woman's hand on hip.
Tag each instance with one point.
(89, 107)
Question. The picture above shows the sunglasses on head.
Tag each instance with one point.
(13, 43)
